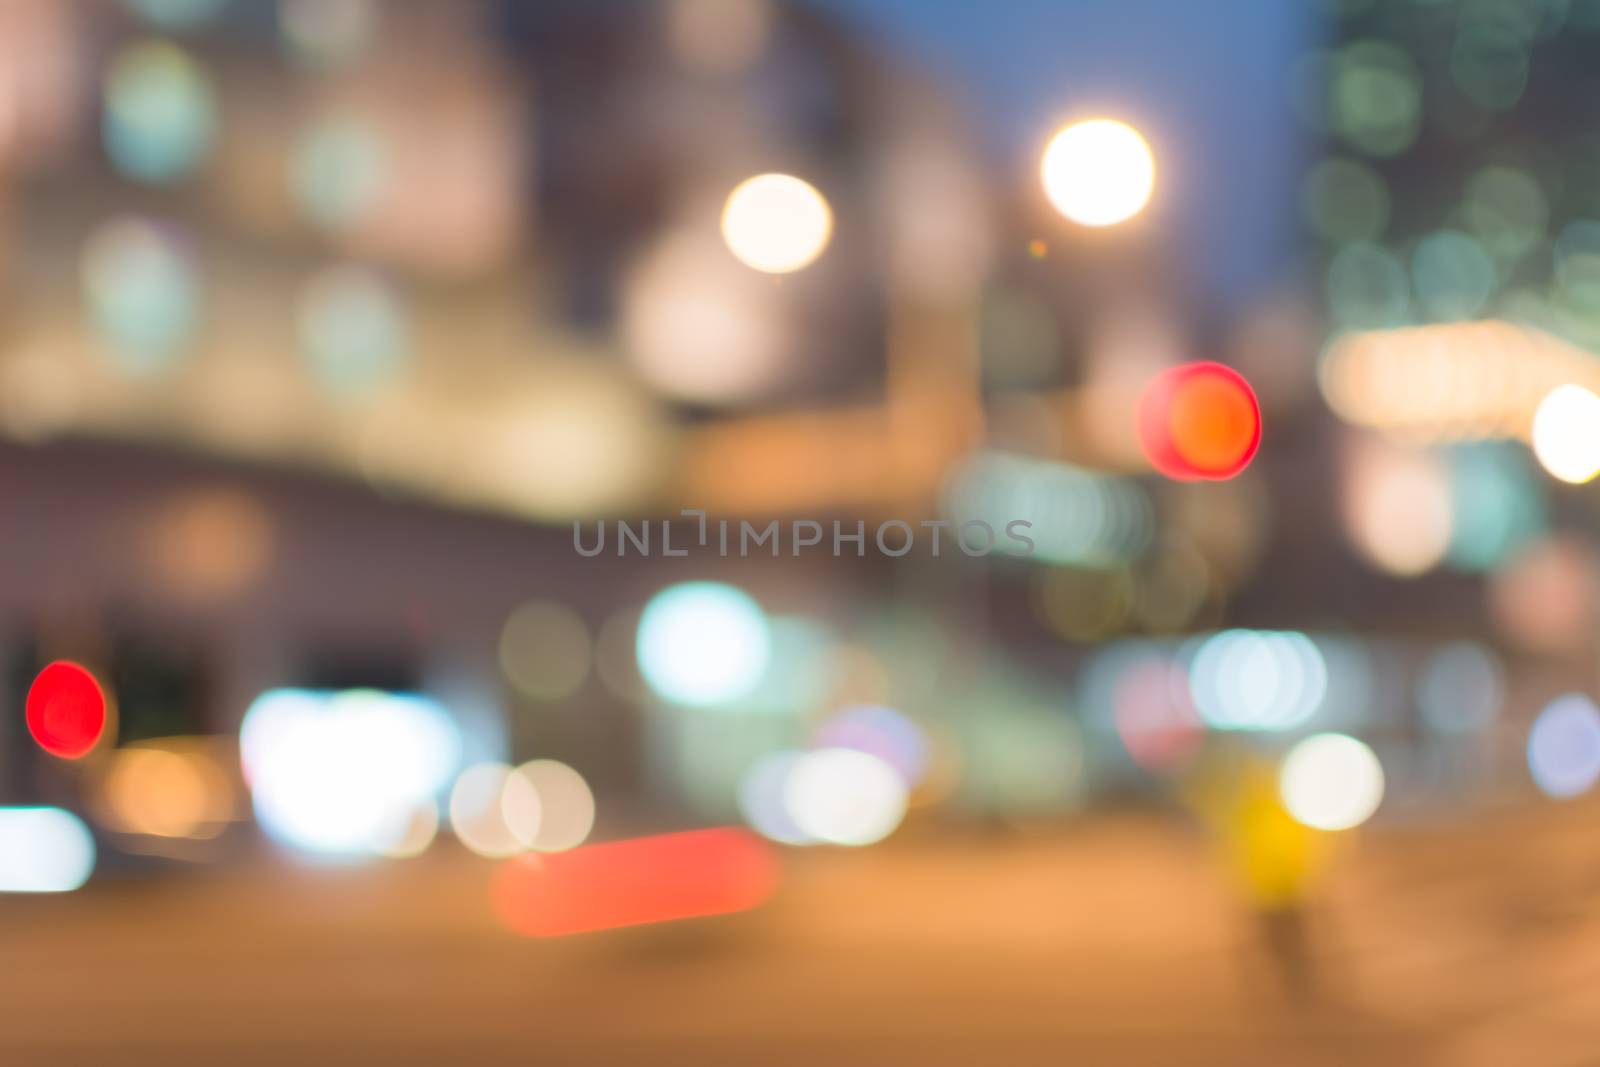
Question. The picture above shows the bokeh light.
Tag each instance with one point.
(344, 773)
(844, 797)
(337, 171)
(494, 811)
(1460, 688)
(207, 544)
(699, 327)
(1452, 275)
(1564, 746)
(776, 223)
(1199, 420)
(1174, 585)
(1257, 679)
(1397, 507)
(415, 834)
(1154, 713)
(1577, 265)
(1345, 201)
(703, 644)
(66, 710)
(579, 438)
(565, 809)
(762, 798)
(1098, 172)
(177, 14)
(1082, 603)
(630, 883)
(326, 33)
(43, 850)
(167, 788)
(1546, 598)
(1078, 516)
(878, 731)
(517, 268)
(142, 292)
(1448, 381)
(719, 37)
(1375, 97)
(1489, 65)
(616, 658)
(545, 650)
(1497, 504)
(1331, 782)
(1367, 287)
(1566, 434)
(1505, 209)
(353, 329)
(160, 112)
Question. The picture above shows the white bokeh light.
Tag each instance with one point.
(344, 773)
(1331, 782)
(565, 808)
(43, 850)
(1099, 172)
(494, 811)
(1566, 434)
(1257, 679)
(776, 223)
(698, 326)
(844, 797)
(762, 798)
(703, 643)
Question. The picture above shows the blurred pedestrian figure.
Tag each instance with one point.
(1274, 861)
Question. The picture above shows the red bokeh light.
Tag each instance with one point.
(628, 883)
(1199, 420)
(66, 710)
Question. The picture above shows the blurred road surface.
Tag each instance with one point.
(1113, 941)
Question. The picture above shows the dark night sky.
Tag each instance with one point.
(1208, 82)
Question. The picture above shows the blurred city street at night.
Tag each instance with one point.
(800, 531)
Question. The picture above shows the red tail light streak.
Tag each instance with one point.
(634, 882)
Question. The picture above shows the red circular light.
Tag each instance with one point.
(1199, 420)
(66, 710)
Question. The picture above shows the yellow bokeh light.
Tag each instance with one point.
(167, 788)
(1098, 172)
(776, 223)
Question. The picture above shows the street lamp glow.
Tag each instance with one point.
(1566, 433)
(1099, 172)
(776, 223)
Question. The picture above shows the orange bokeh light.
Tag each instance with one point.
(1199, 421)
